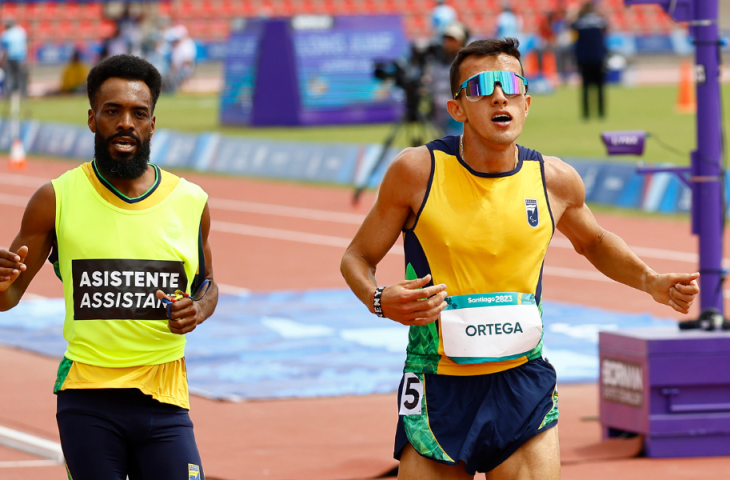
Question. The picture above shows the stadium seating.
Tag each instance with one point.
(209, 19)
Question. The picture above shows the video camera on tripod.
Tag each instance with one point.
(417, 119)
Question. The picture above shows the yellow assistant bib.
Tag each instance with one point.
(113, 257)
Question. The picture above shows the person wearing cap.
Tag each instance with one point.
(441, 17)
(455, 37)
(182, 57)
(13, 57)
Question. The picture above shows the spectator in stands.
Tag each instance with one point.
(437, 78)
(13, 57)
(591, 53)
(114, 45)
(182, 58)
(155, 47)
(563, 44)
(73, 78)
(129, 26)
(509, 24)
(441, 17)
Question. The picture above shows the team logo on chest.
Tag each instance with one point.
(531, 208)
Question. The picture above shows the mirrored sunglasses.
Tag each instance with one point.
(483, 84)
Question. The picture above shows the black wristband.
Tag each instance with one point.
(376, 301)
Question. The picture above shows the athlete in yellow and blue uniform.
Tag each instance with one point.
(478, 232)
(476, 213)
(123, 236)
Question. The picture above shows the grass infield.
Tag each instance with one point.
(553, 127)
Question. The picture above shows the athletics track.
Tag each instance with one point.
(276, 237)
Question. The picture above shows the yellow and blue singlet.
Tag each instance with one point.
(477, 233)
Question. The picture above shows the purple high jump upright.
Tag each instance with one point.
(705, 175)
(707, 211)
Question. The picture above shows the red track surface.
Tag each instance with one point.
(343, 437)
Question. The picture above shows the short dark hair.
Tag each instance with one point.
(484, 48)
(128, 67)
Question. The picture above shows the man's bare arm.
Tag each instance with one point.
(400, 196)
(606, 251)
(30, 249)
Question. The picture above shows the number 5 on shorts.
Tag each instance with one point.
(410, 395)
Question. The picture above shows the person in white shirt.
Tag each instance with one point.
(13, 57)
(182, 57)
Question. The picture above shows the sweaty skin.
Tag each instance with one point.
(120, 106)
(490, 147)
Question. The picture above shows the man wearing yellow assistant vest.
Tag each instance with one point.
(477, 213)
(123, 235)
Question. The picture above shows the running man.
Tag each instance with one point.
(123, 236)
(477, 213)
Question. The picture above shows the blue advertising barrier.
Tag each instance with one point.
(607, 183)
(316, 343)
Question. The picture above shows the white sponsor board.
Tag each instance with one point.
(622, 382)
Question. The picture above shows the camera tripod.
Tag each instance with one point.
(416, 125)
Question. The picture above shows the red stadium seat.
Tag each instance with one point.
(240, 8)
(10, 10)
(105, 28)
(164, 9)
(47, 11)
(87, 30)
(43, 31)
(70, 11)
(183, 11)
(220, 28)
(197, 28)
(94, 11)
(360, 7)
(617, 21)
(65, 30)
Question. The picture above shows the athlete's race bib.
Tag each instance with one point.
(490, 327)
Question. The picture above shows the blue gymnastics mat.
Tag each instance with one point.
(315, 343)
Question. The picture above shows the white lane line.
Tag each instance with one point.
(232, 289)
(288, 235)
(14, 200)
(278, 234)
(23, 180)
(29, 463)
(352, 219)
(31, 444)
(284, 211)
(221, 203)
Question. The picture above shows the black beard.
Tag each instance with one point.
(121, 169)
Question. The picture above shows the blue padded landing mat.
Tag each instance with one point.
(315, 343)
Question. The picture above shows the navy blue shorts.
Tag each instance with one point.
(109, 434)
(480, 420)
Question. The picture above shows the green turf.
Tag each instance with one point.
(553, 127)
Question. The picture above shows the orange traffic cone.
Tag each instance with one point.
(531, 66)
(686, 102)
(550, 65)
(17, 155)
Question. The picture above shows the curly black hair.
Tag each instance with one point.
(484, 48)
(124, 66)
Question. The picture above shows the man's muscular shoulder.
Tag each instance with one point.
(40, 214)
(407, 177)
(564, 185)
